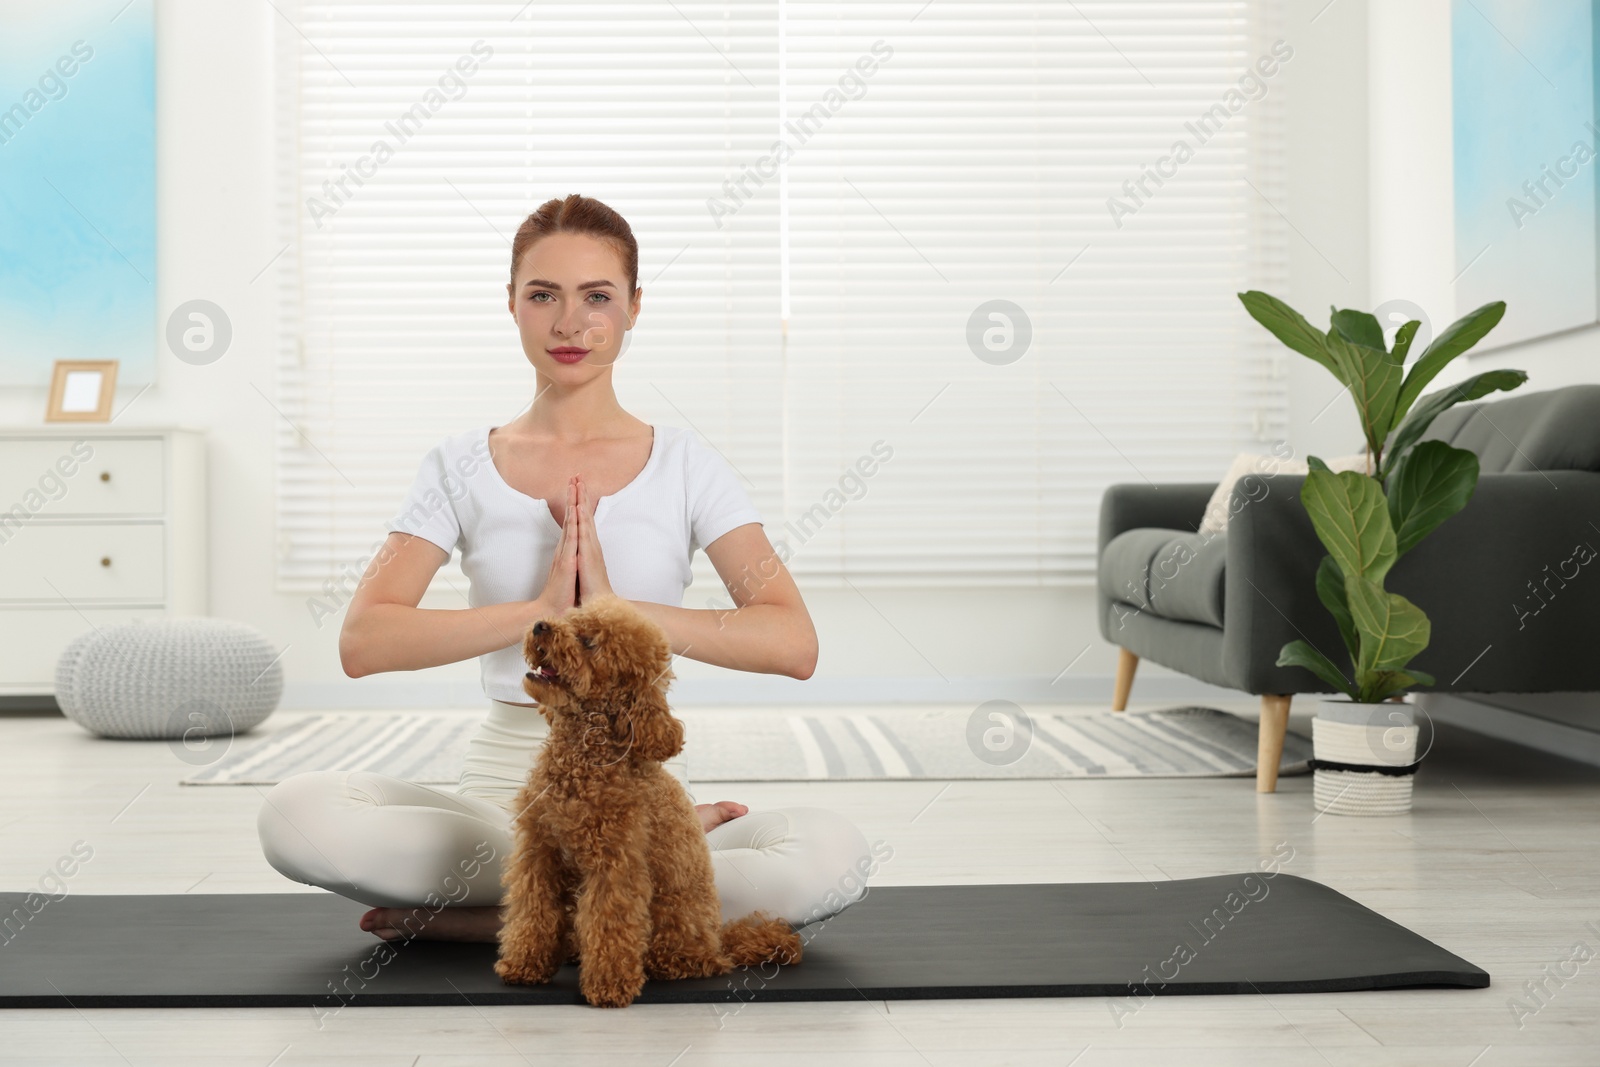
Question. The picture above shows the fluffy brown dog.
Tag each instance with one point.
(611, 865)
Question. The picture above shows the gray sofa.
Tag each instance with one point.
(1511, 583)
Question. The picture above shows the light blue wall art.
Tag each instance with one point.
(77, 187)
(1523, 92)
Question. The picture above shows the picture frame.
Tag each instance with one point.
(81, 390)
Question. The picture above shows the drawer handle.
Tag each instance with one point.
(105, 561)
(105, 476)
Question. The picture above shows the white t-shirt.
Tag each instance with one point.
(685, 498)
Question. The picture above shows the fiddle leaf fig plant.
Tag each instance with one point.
(1368, 521)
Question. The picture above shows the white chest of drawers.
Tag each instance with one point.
(97, 526)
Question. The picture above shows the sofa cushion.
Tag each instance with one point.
(1556, 429)
(1248, 464)
(1176, 574)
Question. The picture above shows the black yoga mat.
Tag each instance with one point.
(1239, 933)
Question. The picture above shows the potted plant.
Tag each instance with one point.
(1369, 520)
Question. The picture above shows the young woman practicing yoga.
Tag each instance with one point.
(572, 499)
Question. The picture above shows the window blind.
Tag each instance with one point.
(909, 269)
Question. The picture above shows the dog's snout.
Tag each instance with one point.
(541, 627)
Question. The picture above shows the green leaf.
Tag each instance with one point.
(1373, 377)
(1352, 521)
(1359, 328)
(1402, 340)
(1315, 463)
(1330, 590)
(1301, 654)
(1430, 407)
(1461, 335)
(1392, 628)
(1288, 326)
(1432, 483)
(1382, 685)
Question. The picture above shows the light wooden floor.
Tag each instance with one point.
(1499, 862)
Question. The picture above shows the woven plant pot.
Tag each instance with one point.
(1364, 757)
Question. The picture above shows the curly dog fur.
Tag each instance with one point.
(611, 866)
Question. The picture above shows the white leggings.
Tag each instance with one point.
(387, 842)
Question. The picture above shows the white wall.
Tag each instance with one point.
(1327, 208)
(1411, 192)
(216, 234)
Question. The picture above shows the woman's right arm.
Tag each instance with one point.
(384, 630)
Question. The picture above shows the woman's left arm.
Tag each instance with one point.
(768, 630)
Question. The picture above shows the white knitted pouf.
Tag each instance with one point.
(169, 678)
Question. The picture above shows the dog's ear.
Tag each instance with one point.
(656, 734)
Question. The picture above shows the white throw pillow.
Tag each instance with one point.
(1248, 463)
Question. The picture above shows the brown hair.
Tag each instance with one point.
(579, 214)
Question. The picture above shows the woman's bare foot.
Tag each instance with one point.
(483, 924)
(714, 815)
(447, 924)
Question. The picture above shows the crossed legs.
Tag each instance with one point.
(394, 844)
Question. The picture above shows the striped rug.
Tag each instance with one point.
(789, 744)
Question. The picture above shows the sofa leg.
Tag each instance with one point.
(1127, 663)
(1269, 740)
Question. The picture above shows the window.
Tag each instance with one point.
(930, 279)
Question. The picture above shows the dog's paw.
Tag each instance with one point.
(610, 992)
(703, 967)
(524, 971)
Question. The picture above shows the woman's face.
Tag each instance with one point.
(569, 300)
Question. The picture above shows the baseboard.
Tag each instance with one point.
(1478, 713)
(768, 689)
(24, 704)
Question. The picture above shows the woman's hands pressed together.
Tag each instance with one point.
(578, 570)
(591, 563)
(560, 592)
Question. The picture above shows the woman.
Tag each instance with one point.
(573, 499)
